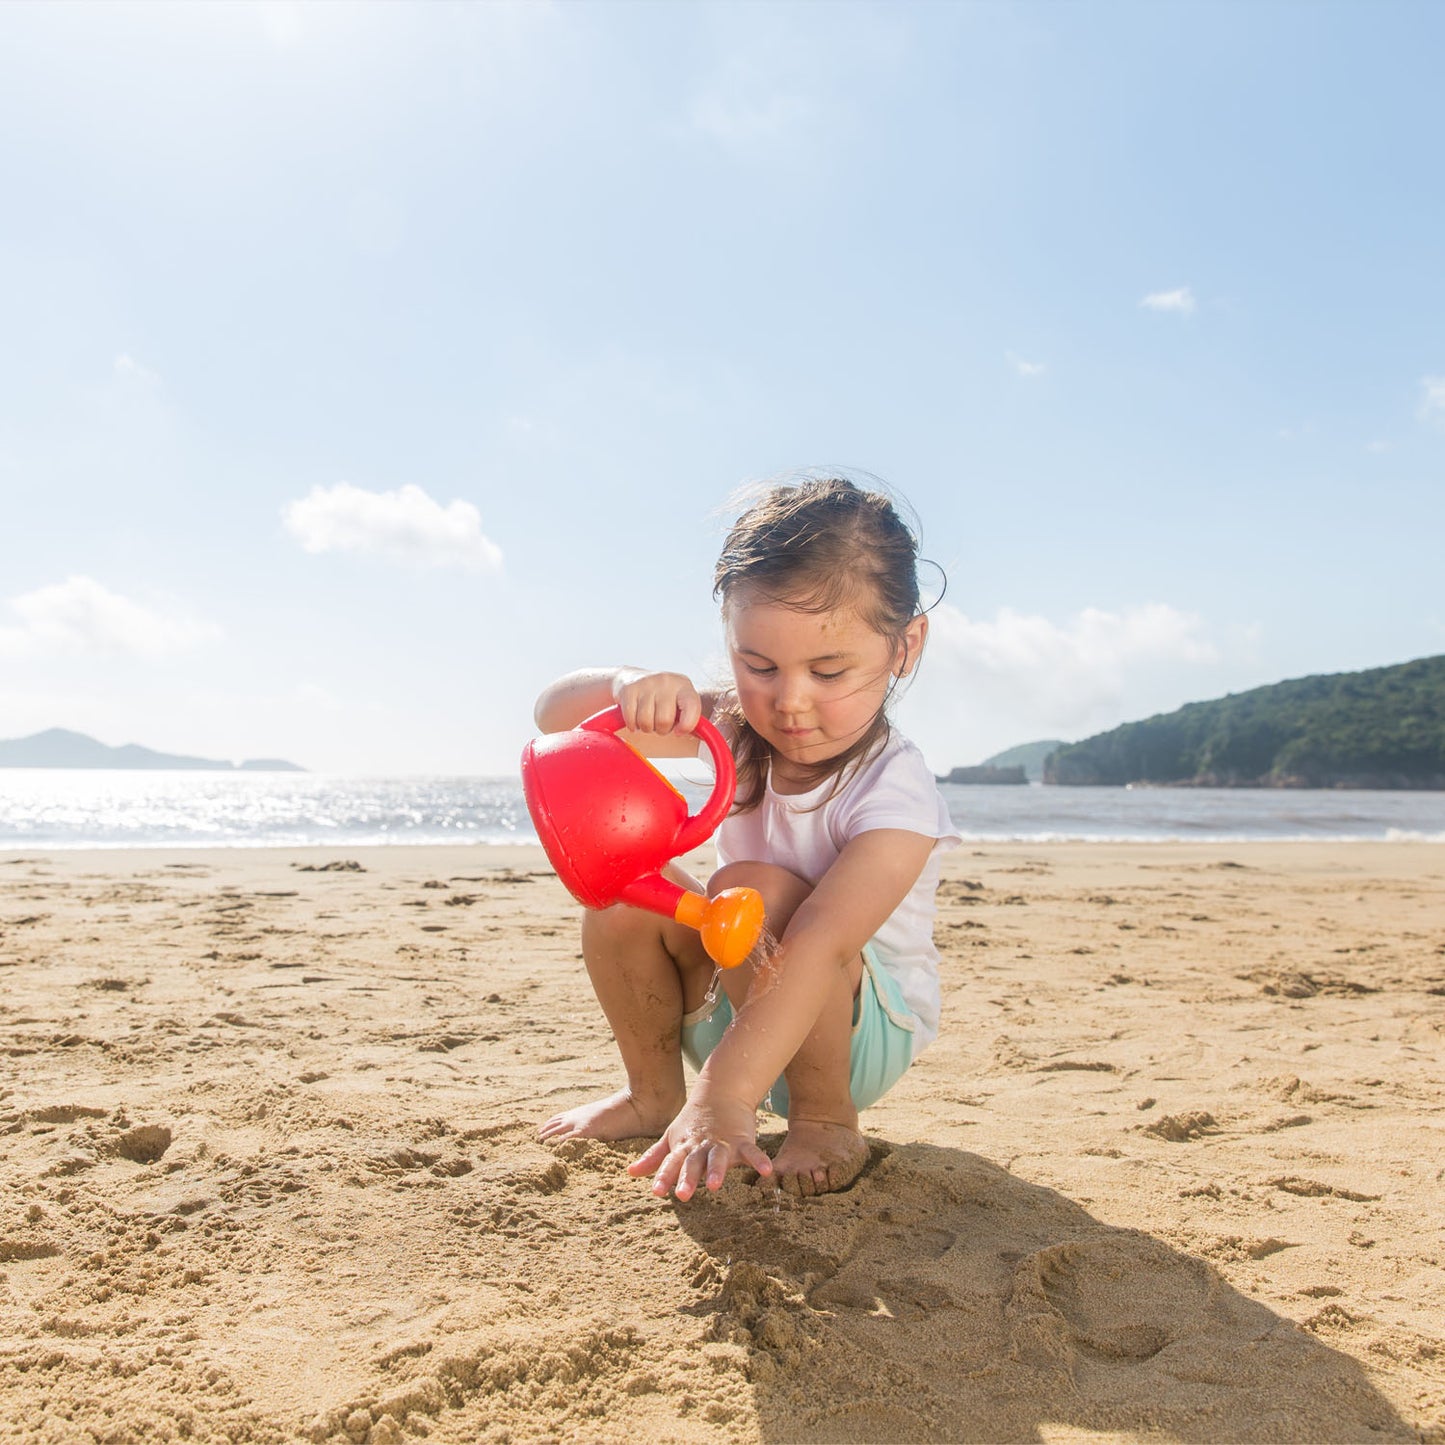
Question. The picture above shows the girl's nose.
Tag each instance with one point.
(792, 694)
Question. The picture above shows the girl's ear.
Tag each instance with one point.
(911, 647)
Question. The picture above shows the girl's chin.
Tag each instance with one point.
(808, 751)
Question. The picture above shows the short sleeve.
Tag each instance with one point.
(896, 790)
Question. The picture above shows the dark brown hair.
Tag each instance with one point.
(817, 546)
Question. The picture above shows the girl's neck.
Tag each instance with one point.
(787, 782)
(791, 780)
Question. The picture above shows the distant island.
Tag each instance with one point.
(1028, 756)
(59, 748)
(1382, 728)
(987, 773)
(1014, 766)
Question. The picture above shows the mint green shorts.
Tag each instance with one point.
(882, 1037)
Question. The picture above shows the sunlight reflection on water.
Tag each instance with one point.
(82, 808)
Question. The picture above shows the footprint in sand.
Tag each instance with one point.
(1119, 1301)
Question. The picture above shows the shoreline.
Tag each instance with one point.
(501, 851)
(272, 1168)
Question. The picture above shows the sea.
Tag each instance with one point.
(58, 809)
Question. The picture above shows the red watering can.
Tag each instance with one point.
(610, 822)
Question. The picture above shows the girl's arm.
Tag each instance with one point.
(716, 1128)
(661, 708)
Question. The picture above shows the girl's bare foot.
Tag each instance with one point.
(619, 1116)
(818, 1157)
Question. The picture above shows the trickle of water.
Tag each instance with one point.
(710, 997)
(764, 958)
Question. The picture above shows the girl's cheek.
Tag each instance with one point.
(753, 700)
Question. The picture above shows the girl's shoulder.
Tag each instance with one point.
(895, 782)
(899, 755)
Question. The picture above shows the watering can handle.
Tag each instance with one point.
(702, 824)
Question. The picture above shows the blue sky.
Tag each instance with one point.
(364, 367)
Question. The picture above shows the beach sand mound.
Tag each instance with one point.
(271, 1167)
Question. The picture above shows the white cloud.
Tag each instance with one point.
(1432, 398)
(80, 615)
(405, 525)
(987, 684)
(1027, 369)
(1094, 642)
(1180, 302)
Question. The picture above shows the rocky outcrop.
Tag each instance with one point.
(988, 774)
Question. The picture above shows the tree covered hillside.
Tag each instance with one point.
(1384, 728)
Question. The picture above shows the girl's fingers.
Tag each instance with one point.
(647, 1163)
(679, 1169)
(719, 1159)
(694, 1166)
(687, 1166)
(669, 1177)
(662, 703)
(754, 1156)
(652, 717)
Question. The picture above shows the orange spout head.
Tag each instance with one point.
(730, 924)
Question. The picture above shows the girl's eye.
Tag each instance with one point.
(828, 676)
(759, 671)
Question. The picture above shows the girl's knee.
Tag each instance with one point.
(623, 931)
(774, 883)
(620, 923)
(782, 890)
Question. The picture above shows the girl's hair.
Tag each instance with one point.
(818, 546)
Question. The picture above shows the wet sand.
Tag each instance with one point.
(269, 1167)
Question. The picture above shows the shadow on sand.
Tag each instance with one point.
(941, 1298)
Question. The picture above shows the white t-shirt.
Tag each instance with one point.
(893, 789)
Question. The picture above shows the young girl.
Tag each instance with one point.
(838, 824)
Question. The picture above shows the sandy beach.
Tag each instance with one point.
(1174, 1170)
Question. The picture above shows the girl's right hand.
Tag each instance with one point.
(658, 702)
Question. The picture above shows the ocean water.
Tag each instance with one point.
(40, 808)
(80, 808)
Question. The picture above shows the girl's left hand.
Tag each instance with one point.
(706, 1139)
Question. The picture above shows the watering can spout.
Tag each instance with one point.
(730, 924)
(610, 822)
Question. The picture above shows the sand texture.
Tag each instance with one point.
(269, 1167)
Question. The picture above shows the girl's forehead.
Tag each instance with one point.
(755, 621)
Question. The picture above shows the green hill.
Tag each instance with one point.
(1384, 728)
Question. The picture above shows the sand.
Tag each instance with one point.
(269, 1167)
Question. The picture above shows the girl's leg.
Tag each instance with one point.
(646, 971)
(824, 1149)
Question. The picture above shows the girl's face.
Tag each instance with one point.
(811, 683)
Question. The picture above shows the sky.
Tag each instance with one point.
(365, 367)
